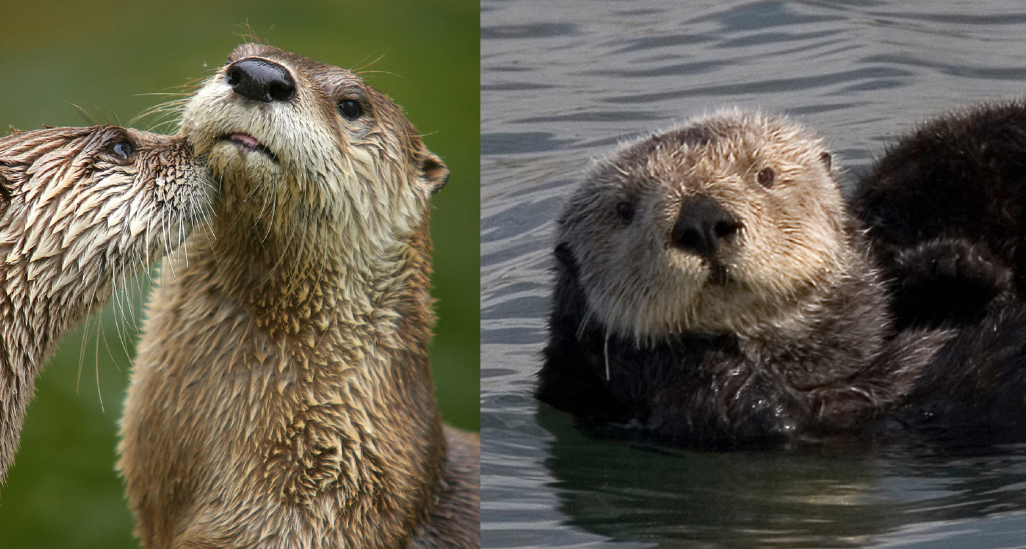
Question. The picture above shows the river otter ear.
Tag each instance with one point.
(6, 187)
(435, 173)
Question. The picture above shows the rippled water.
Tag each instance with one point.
(564, 82)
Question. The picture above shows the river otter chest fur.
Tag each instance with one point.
(282, 396)
(81, 210)
(711, 288)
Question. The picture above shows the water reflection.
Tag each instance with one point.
(833, 498)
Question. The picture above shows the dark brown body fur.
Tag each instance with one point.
(283, 396)
(945, 208)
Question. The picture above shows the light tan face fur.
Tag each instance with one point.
(371, 175)
(89, 207)
(790, 242)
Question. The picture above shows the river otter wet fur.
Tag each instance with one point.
(81, 210)
(945, 211)
(711, 288)
(282, 396)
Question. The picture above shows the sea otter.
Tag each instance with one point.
(944, 209)
(712, 288)
(80, 210)
(282, 396)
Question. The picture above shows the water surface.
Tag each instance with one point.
(563, 83)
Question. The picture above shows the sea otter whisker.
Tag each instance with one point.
(605, 354)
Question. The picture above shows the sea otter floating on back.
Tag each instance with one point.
(712, 288)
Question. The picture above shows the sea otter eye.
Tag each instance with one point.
(124, 150)
(765, 177)
(350, 109)
(625, 211)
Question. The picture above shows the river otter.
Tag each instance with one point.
(282, 395)
(711, 288)
(944, 209)
(80, 209)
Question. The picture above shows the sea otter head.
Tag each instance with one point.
(304, 145)
(727, 223)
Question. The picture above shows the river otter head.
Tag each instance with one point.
(317, 276)
(301, 142)
(81, 210)
(723, 224)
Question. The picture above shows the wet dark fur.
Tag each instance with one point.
(729, 389)
(950, 369)
(944, 209)
(972, 394)
(705, 390)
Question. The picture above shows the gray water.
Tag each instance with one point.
(564, 82)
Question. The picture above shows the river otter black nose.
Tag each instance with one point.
(261, 80)
(701, 223)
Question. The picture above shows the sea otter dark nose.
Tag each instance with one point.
(701, 223)
(261, 80)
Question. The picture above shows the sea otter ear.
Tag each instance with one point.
(826, 159)
(436, 174)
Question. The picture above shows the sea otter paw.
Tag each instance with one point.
(948, 280)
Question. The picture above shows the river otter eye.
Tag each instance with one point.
(765, 177)
(350, 109)
(625, 211)
(124, 150)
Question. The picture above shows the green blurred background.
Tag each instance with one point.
(109, 58)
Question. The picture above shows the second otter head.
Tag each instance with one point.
(720, 224)
(312, 142)
(81, 208)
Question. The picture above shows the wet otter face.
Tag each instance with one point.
(84, 208)
(298, 140)
(723, 224)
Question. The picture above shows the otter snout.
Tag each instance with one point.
(261, 80)
(701, 224)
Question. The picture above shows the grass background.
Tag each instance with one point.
(108, 59)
